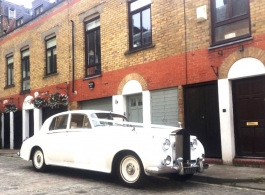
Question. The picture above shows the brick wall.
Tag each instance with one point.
(162, 66)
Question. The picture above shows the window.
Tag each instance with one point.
(231, 20)
(39, 10)
(140, 23)
(10, 70)
(93, 51)
(20, 21)
(25, 70)
(51, 62)
(59, 122)
(103, 119)
(79, 121)
(12, 13)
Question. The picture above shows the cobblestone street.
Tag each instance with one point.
(19, 177)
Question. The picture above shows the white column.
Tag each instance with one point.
(25, 124)
(226, 120)
(2, 130)
(11, 130)
(37, 119)
(146, 107)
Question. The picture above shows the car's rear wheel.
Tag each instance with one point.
(38, 161)
(130, 171)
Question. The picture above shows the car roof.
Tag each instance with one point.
(84, 111)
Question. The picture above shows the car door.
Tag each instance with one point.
(56, 139)
(78, 141)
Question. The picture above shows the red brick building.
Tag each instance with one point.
(200, 63)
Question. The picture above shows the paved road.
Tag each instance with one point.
(18, 177)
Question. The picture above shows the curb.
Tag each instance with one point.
(242, 183)
(10, 155)
(215, 180)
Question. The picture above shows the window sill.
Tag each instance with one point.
(230, 43)
(92, 77)
(138, 49)
(24, 92)
(9, 86)
(50, 75)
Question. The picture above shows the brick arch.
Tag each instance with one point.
(237, 55)
(129, 77)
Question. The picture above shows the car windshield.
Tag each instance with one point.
(107, 116)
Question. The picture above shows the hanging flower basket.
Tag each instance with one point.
(56, 99)
(10, 107)
(39, 102)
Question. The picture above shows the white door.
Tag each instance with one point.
(56, 139)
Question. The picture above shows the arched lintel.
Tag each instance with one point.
(131, 77)
(249, 52)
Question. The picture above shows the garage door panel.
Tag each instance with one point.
(98, 104)
(164, 107)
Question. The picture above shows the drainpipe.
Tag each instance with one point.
(73, 58)
(185, 39)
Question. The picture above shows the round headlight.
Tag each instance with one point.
(167, 160)
(166, 144)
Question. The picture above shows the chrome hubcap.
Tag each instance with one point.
(38, 159)
(130, 169)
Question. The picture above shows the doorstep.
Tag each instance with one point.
(248, 162)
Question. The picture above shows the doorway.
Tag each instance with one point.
(7, 130)
(18, 129)
(249, 116)
(202, 116)
(135, 108)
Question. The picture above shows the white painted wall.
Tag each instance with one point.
(11, 130)
(37, 119)
(243, 68)
(246, 67)
(226, 120)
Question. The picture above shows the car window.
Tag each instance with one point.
(79, 121)
(59, 122)
(107, 116)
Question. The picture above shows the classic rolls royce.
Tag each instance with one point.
(106, 142)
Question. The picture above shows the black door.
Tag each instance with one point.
(17, 129)
(249, 116)
(47, 112)
(6, 130)
(31, 123)
(202, 116)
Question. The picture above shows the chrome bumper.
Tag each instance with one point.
(178, 168)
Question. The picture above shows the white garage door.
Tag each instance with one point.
(98, 104)
(164, 107)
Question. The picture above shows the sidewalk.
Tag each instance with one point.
(245, 177)
(9, 153)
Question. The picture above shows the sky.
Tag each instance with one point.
(26, 3)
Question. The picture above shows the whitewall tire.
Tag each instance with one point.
(38, 161)
(130, 171)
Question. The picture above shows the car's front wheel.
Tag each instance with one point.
(130, 171)
(38, 161)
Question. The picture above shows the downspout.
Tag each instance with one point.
(73, 58)
(185, 41)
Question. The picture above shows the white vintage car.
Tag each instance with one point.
(106, 142)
